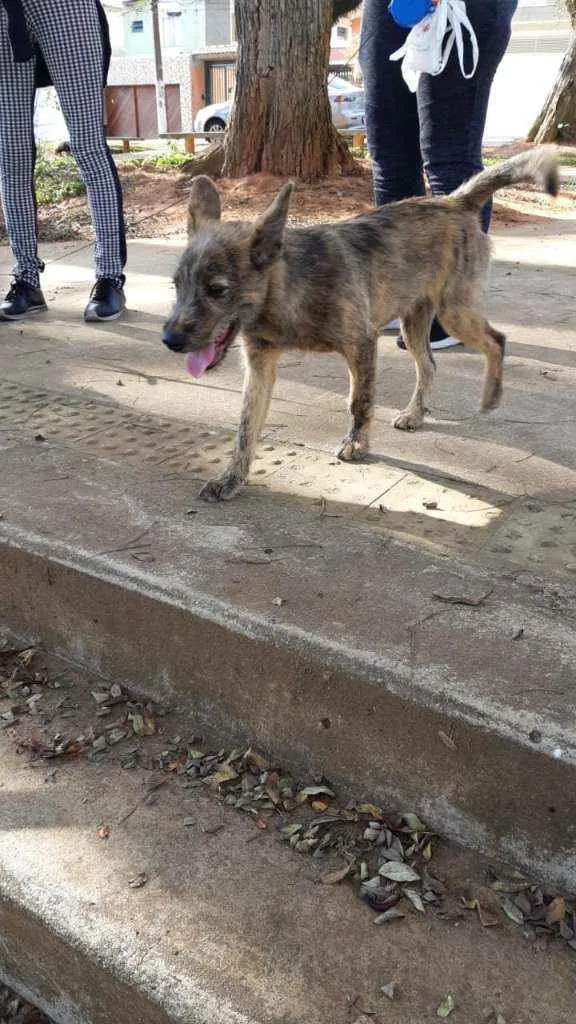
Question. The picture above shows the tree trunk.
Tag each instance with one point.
(282, 122)
(557, 119)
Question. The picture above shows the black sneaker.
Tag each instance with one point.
(438, 338)
(107, 300)
(21, 300)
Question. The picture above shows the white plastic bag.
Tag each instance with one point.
(430, 43)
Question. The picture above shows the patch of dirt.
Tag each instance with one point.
(155, 202)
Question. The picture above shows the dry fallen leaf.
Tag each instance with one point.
(138, 881)
(512, 911)
(398, 872)
(115, 734)
(393, 914)
(143, 725)
(372, 809)
(333, 877)
(226, 774)
(412, 821)
(415, 899)
(469, 904)
(253, 757)
(313, 791)
(292, 829)
(101, 696)
(319, 806)
(556, 911)
(446, 1006)
(447, 740)
(523, 904)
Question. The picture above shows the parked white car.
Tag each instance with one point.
(346, 101)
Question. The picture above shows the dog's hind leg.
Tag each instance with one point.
(261, 362)
(472, 329)
(361, 359)
(416, 333)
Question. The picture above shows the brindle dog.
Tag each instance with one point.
(329, 288)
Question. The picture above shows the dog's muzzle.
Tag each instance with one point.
(174, 340)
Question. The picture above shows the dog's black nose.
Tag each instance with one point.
(174, 340)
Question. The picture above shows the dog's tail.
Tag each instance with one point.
(538, 167)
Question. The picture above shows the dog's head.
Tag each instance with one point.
(223, 276)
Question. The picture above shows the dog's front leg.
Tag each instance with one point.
(361, 359)
(261, 362)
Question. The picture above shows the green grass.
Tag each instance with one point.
(56, 178)
(165, 161)
(162, 162)
(567, 158)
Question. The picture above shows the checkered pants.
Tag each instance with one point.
(68, 33)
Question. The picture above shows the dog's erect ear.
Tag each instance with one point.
(203, 205)
(267, 238)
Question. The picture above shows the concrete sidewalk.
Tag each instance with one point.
(504, 485)
(404, 626)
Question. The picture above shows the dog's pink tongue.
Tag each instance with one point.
(196, 362)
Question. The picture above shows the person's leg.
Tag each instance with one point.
(71, 42)
(17, 158)
(392, 124)
(452, 112)
(452, 109)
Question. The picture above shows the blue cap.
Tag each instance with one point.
(409, 12)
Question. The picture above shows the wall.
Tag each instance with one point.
(218, 22)
(140, 71)
(142, 43)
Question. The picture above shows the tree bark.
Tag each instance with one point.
(282, 122)
(556, 121)
(210, 162)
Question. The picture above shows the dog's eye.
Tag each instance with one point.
(217, 289)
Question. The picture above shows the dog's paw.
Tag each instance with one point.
(351, 450)
(410, 419)
(492, 396)
(221, 488)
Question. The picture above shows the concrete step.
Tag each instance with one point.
(133, 894)
(410, 678)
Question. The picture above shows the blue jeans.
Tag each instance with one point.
(440, 129)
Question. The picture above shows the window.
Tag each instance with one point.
(138, 26)
(342, 32)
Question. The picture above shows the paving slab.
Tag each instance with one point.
(503, 484)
